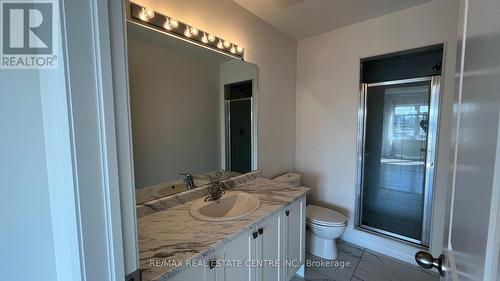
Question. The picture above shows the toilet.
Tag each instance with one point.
(323, 225)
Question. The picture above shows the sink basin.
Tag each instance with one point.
(231, 206)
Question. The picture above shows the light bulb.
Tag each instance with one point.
(239, 49)
(220, 45)
(167, 25)
(227, 44)
(187, 32)
(174, 23)
(194, 31)
(211, 38)
(233, 49)
(142, 16)
(204, 39)
(149, 13)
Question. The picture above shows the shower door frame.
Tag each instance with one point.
(430, 159)
(227, 133)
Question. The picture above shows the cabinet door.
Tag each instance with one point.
(191, 273)
(236, 255)
(294, 237)
(269, 249)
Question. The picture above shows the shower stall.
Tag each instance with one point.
(397, 138)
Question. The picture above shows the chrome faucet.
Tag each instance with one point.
(215, 188)
(188, 180)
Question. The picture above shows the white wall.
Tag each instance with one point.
(327, 99)
(274, 53)
(26, 241)
(175, 111)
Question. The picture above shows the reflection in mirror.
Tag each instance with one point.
(193, 114)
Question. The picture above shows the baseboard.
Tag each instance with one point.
(389, 247)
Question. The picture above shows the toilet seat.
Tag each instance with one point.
(324, 217)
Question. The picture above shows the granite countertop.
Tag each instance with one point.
(174, 236)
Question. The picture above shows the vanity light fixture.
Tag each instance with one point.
(146, 14)
(187, 32)
(167, 25)
(220, 45)
(194, 31)
(174, 23)
(204, 38)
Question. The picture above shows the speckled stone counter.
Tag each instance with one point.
(174, 235)
(163, 203)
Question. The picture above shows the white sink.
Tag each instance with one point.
(231, 206)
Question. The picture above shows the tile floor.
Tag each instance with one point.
(357, 264)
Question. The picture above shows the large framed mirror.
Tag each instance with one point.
(193, 113)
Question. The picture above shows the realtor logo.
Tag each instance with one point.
(28, 34)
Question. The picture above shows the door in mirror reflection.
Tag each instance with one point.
(239, 127)
(397, 163)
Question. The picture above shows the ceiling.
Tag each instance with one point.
(304, 18)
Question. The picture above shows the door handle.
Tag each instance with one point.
(212, 263)
(261, 230)
(427, 261)
(287, 213)
(255, 234)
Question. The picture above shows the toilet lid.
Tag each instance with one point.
(324, 216)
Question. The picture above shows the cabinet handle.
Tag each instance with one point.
(287, 213)
(255, 234)
(261, 230)
(212, 263)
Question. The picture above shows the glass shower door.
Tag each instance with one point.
(398, 126)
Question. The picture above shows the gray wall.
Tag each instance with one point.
(175, 111)
(26, 238)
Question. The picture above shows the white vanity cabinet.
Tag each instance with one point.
(274, 250)
(192, 273)
(267, 251)
(237, 251)
(294, 232)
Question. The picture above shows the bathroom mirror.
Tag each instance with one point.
(193, 113)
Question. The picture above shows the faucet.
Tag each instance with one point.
(215, 188)
(188, 180)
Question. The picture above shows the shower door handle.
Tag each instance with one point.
(427, 261)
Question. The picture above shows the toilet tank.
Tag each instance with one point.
(290, 178)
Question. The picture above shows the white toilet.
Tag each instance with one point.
(323, 225)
